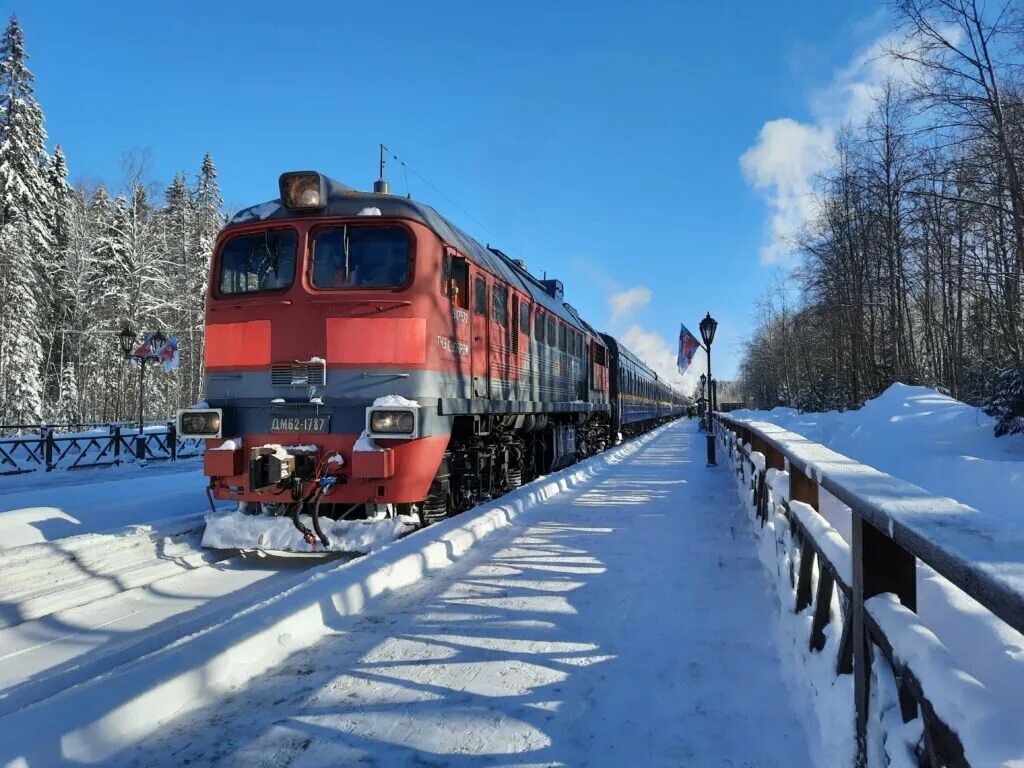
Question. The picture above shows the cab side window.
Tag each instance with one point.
(480, 296)
(499, 305)
(455, 280)
(538, 329)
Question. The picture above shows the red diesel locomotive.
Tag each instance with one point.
(364, 356)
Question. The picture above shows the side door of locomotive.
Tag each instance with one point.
(481, 334)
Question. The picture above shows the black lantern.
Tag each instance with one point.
(127, 339)
(703, 381)
(149, 352)
(708, 326)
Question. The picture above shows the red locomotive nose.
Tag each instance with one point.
(331, 310)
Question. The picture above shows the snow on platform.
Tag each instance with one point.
(624, 621)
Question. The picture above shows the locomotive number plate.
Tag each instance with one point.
(300, 424)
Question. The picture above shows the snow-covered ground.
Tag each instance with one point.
(612, 614)
(45, 506)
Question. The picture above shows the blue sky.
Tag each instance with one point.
(600, 142)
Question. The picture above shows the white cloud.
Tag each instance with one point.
(789, 155)
(782, 166)
(625, 302)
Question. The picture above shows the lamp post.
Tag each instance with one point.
(708, 326)
(703, 400)
(150, 353)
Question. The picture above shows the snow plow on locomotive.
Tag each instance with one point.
(366, 359)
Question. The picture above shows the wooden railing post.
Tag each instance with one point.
(47, 437)
(880, 565)
(802, 488)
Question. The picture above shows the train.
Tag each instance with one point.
(364, 358)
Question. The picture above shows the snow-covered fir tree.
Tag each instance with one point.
(26, 238)
(20, 351)
(1006, 403)
(77, 264)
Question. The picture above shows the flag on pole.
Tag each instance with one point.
(169, 354)
(688, 346)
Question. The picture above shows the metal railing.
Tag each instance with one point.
(882, 558)
(49, 450)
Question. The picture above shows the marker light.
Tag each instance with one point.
(303, 190)
(392, 423)
(204, 423)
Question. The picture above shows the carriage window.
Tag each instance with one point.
(499, 305)
(561, 337)
(360, 257)
(261, 261)
(524, 318)
(552, 333)
(480, 296)
(538, 319)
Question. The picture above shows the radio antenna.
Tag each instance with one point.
(380, 186)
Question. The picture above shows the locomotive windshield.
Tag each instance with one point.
(261, 261)
(360, 257)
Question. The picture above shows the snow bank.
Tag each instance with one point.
(100, 718)
(365, 444)
(394, 401)
(234, 529)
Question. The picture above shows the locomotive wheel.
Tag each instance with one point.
(437, 505)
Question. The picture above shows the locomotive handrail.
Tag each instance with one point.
(355, 300)
(248, 303)
(894, 524)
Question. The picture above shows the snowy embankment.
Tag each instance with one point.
(40, 579)
(111, 711)
(946, 447)
(42, 507)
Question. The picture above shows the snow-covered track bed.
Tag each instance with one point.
(42, 657)
(40, 579)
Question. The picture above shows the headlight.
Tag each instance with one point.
(204, 423)
(393, 422)
(303, 190)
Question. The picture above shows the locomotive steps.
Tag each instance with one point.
(127, 703)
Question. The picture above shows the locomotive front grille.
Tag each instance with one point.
(299, 373)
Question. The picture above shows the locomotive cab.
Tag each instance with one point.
(318, 319)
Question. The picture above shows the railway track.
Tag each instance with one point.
(76, 608)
